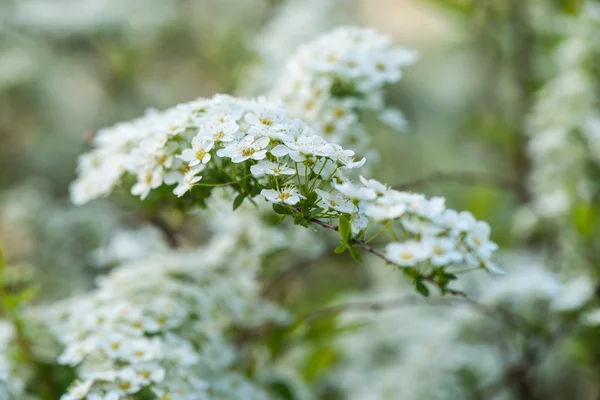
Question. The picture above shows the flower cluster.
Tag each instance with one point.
(13, 376)
(254, 147)
(294, 22)
(457, 350)
(333, 80)
(564, 125)
(164, 335)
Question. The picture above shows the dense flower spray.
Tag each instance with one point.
(254, 147)
(564, 125)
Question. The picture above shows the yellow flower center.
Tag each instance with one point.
(407, 255)
(162, 160)
(266, 121)
(339, 112)
(284, 196)
(248, 152)
(200, 154)
(328, 129)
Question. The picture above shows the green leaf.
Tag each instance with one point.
(315, 211)
(355, 253)
(411, 272)
(344, 229)
(318, 363)
(281, 209)
(422, 288)
(300, 220)
(2, 262)
(12, 301)
(282, 390)
(340, 249)
(312, 198)
(237, 202)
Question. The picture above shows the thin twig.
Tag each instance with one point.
(382, 256)
(168, 232)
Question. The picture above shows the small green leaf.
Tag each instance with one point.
(300, 220)
(281, 219)
(344, 229)
(341, 248)
(355, 253)
(315, 211)
(2, 262)
(237, 202)
(312, 198)
(281, 209)
(422, 288)
(411, 272)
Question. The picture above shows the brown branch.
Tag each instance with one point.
(296, 269)
(382, 256)
(169, 234)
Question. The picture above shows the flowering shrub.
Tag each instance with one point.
(254, 147)
(211, 288)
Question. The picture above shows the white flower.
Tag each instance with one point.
(147, 180)
(303, 146)
(78, 390)
(287, 195)
(271, 168)
(336, 202)
(478, 240)
(384, 208)
(574, 294)
(220, 129)
(358, 222)
(443, 251)
(407, 254)
(245, 149)
(199, 153)
(188, 180)
(592, 318)
(345, 158)
(377, 186)
(355, 192)
(266, 122)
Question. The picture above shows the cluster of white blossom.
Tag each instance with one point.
(294, 23)
(565, 123)
(128, 245)
(256, 148)
(332, 81)
(452, 350)
(165, 335)
(13, 376)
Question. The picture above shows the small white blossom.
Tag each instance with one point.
(199, 153)
(271, 168)
(407, 254)
(287, 195)
(247, 148)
